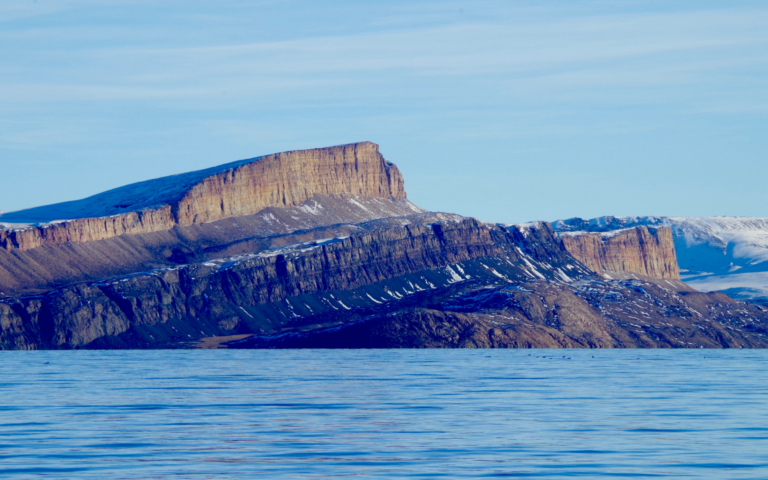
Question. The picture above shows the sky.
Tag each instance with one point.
(507, 111)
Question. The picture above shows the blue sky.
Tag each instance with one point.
(506, 111)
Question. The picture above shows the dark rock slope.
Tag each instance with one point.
(454, 283)
(589, 313)
(267, 291)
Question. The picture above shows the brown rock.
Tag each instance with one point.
(635, 250)
(280, 180)
(288, 179)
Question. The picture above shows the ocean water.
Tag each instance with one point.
(384, 414)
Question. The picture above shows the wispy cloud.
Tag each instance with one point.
(238, 78)
(593, 51)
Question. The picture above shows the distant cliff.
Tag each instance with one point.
(242, 188)
(639, 250)
(714, 253)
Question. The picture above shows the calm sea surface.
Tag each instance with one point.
(384, 414)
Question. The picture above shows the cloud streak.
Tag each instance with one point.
(137, 80)
(590, 51)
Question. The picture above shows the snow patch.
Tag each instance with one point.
(455, 277)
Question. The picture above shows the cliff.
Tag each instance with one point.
(637, 250)
(264, 292)
(88, 229)
(456, 283)
(714, 253)
(54, 266)
(289, 179)
(246, 187)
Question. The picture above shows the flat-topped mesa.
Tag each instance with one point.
(638, 250)
(289, 179)
(240, 188)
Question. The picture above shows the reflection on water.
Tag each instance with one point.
(383, 414)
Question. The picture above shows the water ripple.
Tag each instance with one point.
(383, 414)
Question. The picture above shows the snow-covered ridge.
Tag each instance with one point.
(609, 234)
(130, 198)
(526, 225)
(525, 228)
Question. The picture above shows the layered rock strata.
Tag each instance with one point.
(88, 229)
(714, 253)
(320, 248)
(456, 284)
(638, 250)
(280, 180)
(54, 266)
(289, 179)
(227, 297)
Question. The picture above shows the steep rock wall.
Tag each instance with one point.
(635, 250)
(52, 266)
(288, 179)
(88, 229)
(280, 180)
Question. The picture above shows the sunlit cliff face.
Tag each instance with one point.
(280, 180)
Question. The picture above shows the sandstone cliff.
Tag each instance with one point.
(288, 179)
(638, 250)
(281, 180)
(88, 229)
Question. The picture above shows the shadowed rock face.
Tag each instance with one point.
(281, 180)
(589, 313)
(266, 291)
(638, 250)
(450, 284)
(425, 328)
